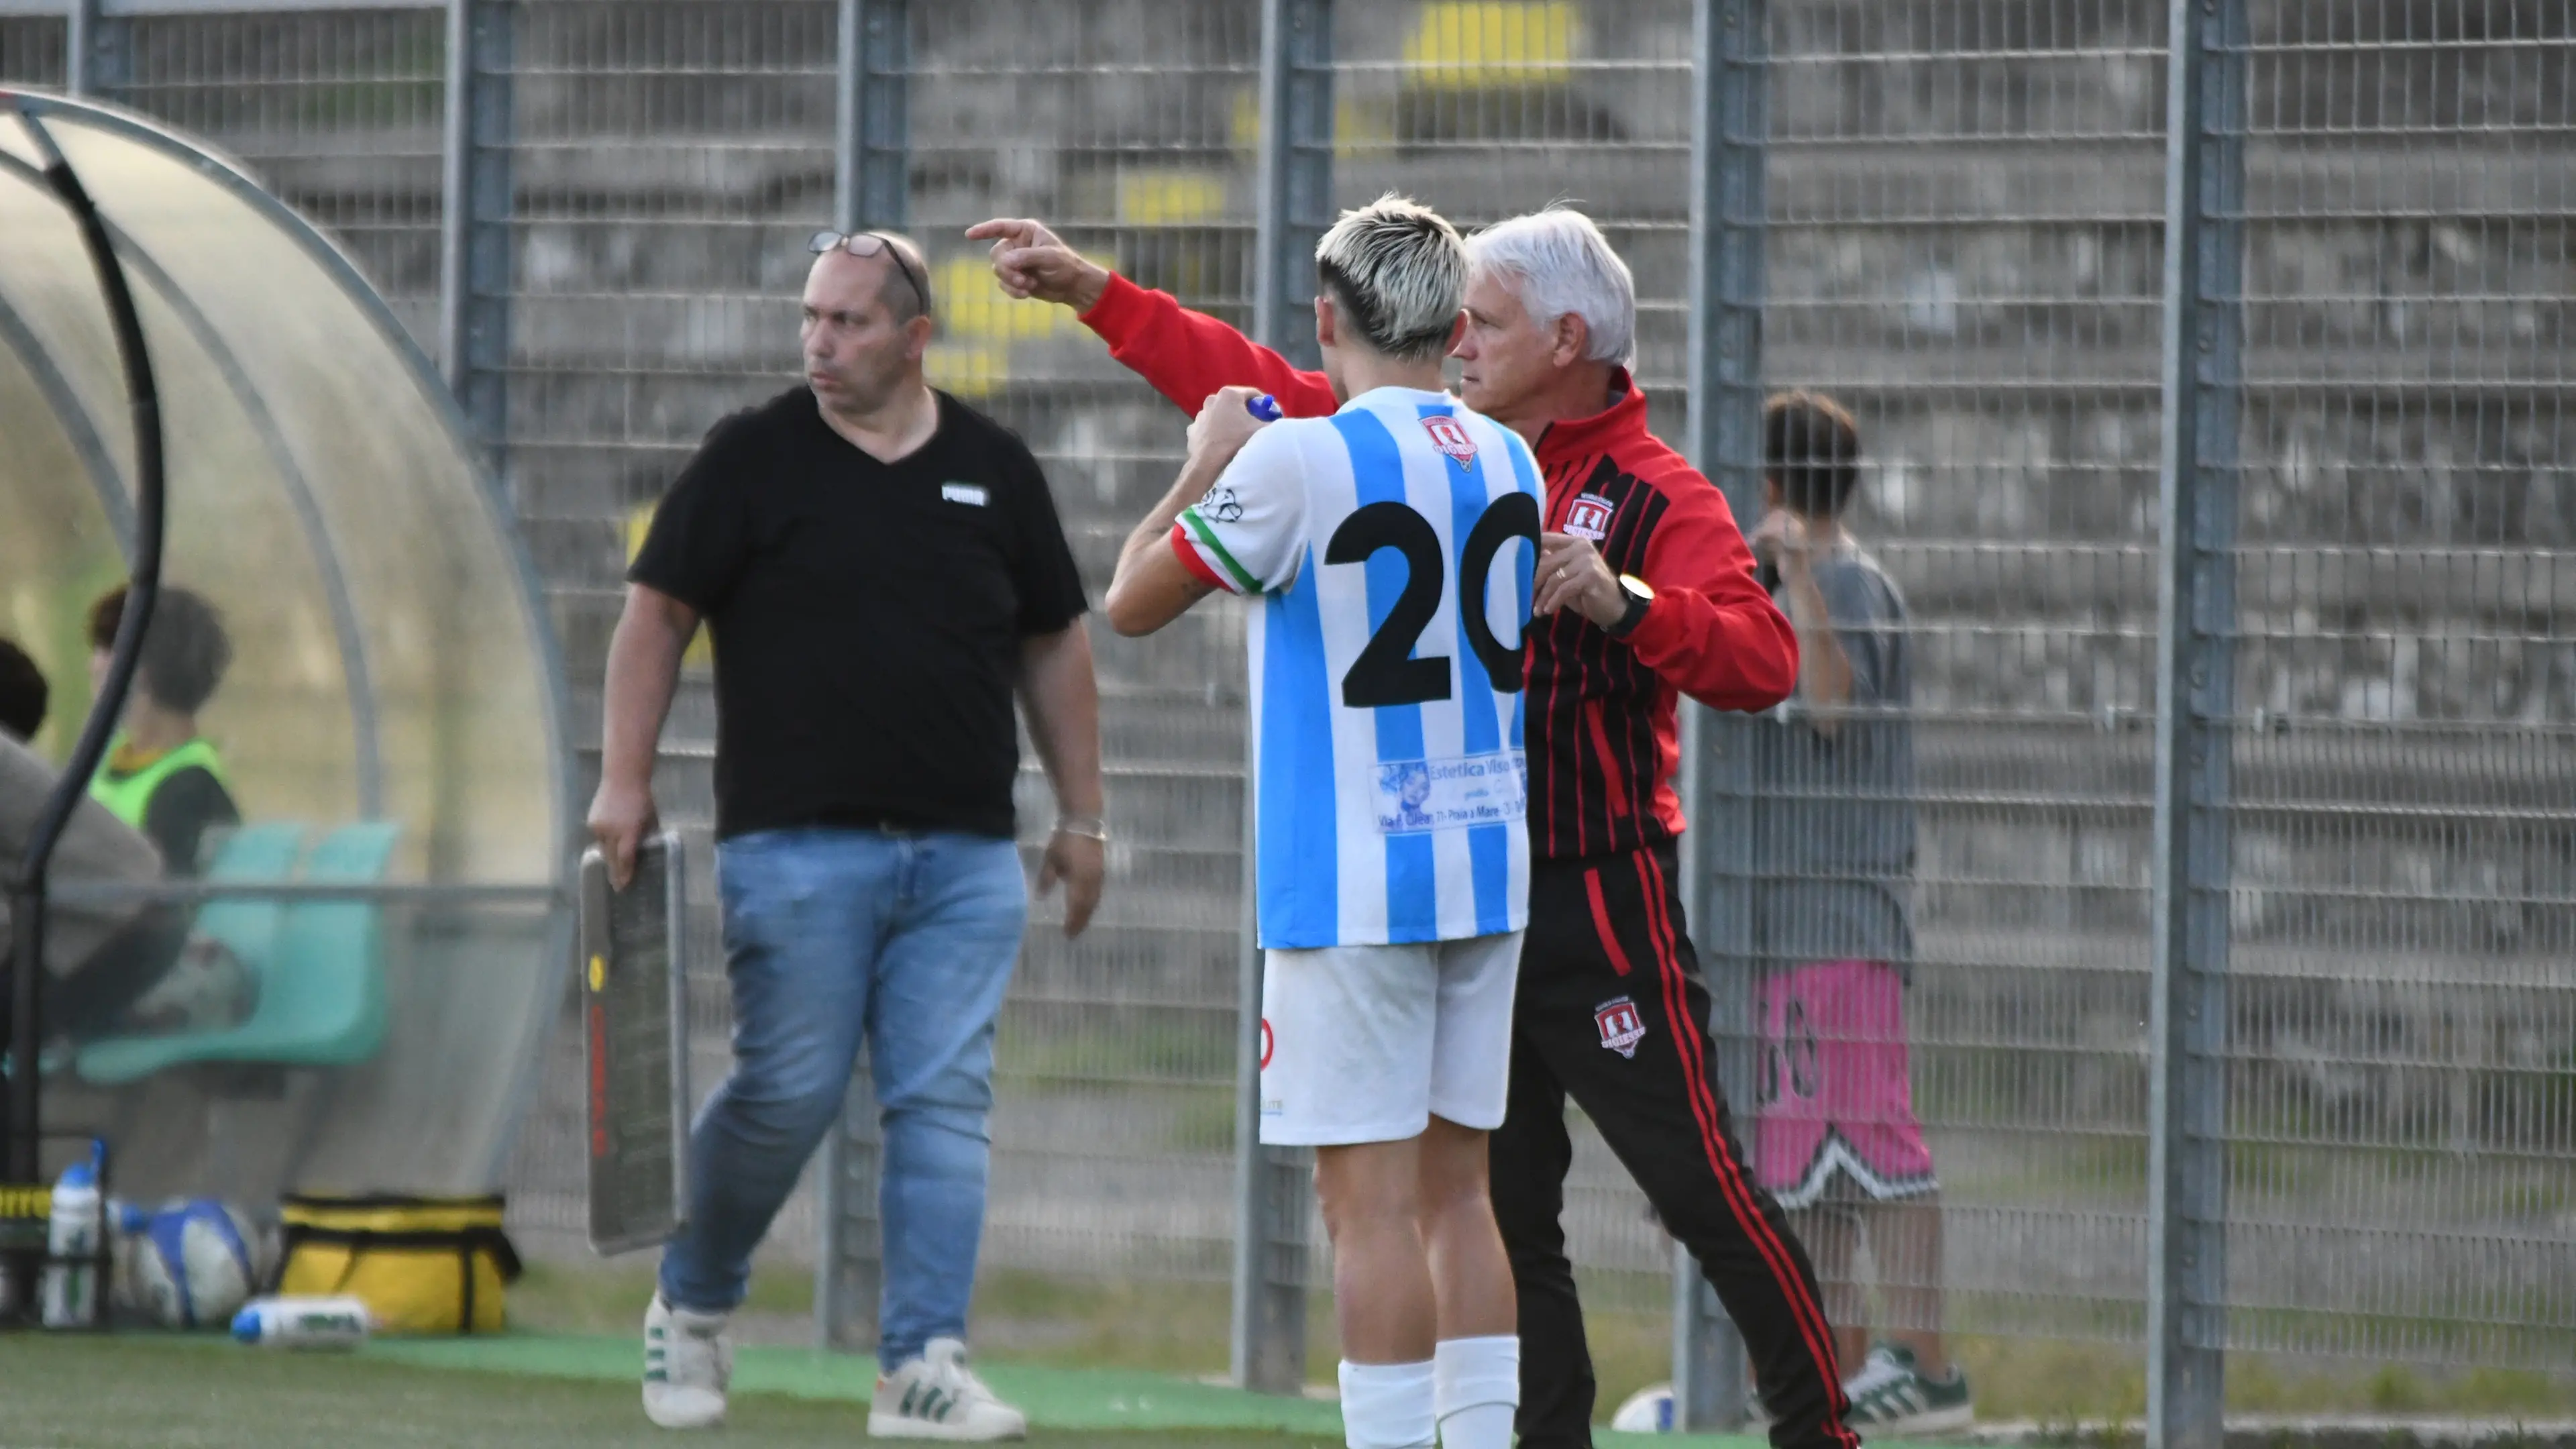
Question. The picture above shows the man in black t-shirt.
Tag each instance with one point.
(882, 569)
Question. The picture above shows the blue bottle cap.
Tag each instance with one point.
(246, 1326)
(79, 1174)
(1263, 406)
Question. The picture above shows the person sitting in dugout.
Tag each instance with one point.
(101, 960)
(161, 776)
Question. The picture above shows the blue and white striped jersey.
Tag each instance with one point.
(1390, 546)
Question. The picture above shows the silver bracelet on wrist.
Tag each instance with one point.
(1089, 827)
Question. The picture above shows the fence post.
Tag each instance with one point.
(474, 272)
(1295, 201)
(1730, 125)
(871, 186)
(2196, 625)
(97, 62)
(871, 158)
(1274, 1186)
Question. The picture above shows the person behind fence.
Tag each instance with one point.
(1645, 593)
(882, 569)
(1392, 866)
(162, 775)
(1835, 1134)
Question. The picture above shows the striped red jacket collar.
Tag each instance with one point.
(1624, 421)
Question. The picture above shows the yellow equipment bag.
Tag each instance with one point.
(420, 1264)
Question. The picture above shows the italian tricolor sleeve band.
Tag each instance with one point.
(1196, 544)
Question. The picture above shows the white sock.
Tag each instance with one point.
(1387, 1406)
(1476, 1390)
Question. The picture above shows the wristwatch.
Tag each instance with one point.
(1640, 596)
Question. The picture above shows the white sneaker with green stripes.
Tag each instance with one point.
(1891, 1398)
(687, 1363)
(936, 1396)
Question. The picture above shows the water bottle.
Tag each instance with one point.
(71, 1233)
(1263, 406)
(302, 1323)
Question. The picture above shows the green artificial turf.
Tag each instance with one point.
(153, 1391)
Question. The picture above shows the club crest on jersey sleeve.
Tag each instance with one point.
(1588, 517)
(1450, 437)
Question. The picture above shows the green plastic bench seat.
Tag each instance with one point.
(322, 988)
(247, 925)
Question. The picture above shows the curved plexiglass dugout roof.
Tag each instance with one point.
(392, 660)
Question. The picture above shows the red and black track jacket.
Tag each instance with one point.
(1600, 725)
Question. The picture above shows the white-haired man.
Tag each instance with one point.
(1392, 869)
(1646, 591)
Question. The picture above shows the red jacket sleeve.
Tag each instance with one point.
(1187, 355)
(1711, 633)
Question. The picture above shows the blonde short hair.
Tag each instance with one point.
(1397, 272)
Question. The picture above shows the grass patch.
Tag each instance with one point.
(75, 1392)
(2266, 1383)
(610, 1297)
(2076, 1384)
(1161, 1327)
(1184, 1329)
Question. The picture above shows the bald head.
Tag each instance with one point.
(866, 325)
(896, 277)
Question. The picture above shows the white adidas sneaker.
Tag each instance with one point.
(687, 1363)
(1892, 1399)
(936, 1396)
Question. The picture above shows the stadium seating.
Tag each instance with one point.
(247, 925)
(322, 995)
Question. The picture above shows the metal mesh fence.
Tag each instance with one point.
(337, 112)
(652, 300)
(2402, 1100)
(666, 163)
(1966, 208)
(1128, 128)
(32, 50)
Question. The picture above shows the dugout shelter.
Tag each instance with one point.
(392, 722)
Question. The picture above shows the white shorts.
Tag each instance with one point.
(1368, 1043)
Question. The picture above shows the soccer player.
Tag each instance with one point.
(1389, 548)
(1645, 593)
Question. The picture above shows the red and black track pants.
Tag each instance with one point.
(1612, 1013)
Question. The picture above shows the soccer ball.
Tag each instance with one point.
(191, 1264)
(1648, 1411)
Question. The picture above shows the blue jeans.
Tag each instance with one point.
(833, 937)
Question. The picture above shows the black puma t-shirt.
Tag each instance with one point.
(868, 617)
